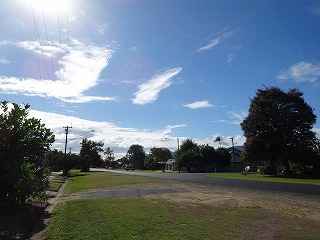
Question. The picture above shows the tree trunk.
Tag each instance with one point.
(287, 167)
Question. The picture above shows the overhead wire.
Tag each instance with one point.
(68, 30)
(45, 28)
(38, 39)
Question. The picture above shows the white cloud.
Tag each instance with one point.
(302, 72)
(237, 117)
(103, 28)
(214, 42)
(79, 68)
(112, 135)
(315, 10)
(199, 104)
(4, 61)
(148, 92)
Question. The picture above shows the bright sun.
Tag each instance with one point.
(51, 6)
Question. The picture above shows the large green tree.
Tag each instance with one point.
(136, 156)
(188, 155)
(90, 154)
(223, 157)
(24, 142)
(278, 129)
(157, 157)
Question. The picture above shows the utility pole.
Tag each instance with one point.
(178, 144)
(65, 171)
(232, 157)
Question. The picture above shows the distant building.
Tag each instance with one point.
(236, 163)
(169, 165)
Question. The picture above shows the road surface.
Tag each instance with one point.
(201, 179)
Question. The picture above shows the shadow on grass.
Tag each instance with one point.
(78, 174)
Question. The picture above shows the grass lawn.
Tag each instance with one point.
(137, 218)
(266, 178)
(140, 218)
(55, 182)
(78, 181)
(157, 218)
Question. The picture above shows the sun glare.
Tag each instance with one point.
(51, 6)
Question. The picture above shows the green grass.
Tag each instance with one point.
(153, 218)
(78, 181)
(55, 182)
(266, 178)
(138, 218)
(54, 186)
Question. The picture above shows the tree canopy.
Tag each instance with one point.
(201, 158)
(278, 129)
(90, 154)
(157, 157)
(136, 156)
(24, 143)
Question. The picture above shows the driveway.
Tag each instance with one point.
(204, 180)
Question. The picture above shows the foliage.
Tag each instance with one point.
(157, 158)
(218, 139)
(201, 158)
(278, 130)
(90, 154)
(136, 156)
(123, 161)
(109, 159)
(208, 157)
(222, 157)
(188, 155)
(24, 142)
(56, 160)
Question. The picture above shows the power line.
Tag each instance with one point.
(45, 29)
(38, 35)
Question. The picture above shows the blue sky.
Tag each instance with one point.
(150, 72)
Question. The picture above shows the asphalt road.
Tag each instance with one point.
(258, 185)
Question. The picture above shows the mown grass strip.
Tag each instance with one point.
(267, 178)
(78, 181)
(139, 218)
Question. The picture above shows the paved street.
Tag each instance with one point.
(201, 179)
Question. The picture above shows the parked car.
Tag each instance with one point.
(251, 169)
(129, 168)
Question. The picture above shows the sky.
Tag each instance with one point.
(152, 72)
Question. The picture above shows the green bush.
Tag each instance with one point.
(24, 142)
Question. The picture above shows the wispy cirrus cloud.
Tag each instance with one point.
(75, 69)
(301, 72)
(199, 104)
(217, 40)
(235, 117)
(148, 92)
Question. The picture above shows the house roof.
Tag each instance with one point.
(237, 148)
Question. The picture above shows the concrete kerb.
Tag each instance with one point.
(38, 230)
